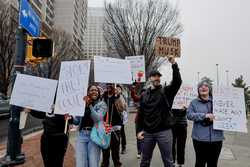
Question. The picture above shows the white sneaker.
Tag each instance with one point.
(138, 156)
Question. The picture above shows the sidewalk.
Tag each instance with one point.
(235, 153)
(31, 148)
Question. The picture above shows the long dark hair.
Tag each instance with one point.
(99, 91)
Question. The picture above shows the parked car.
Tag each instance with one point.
(4, 105)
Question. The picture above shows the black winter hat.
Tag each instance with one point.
(154, 73)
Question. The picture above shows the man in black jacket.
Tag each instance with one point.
(155, 118)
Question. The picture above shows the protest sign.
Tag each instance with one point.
(137, 64)
(72, 87)
(112, 70)
(168, 47)
(184, 96)
(33, 92)
(229, 109)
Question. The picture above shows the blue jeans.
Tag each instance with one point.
(164, 141)
(87, 153)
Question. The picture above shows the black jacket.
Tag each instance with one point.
(180, 117)
(155, 106)
(115, 116)
(52, 124)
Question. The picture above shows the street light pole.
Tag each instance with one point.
(217, 69)
(198, 75)
(227, 77)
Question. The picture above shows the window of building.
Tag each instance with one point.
(38, 3)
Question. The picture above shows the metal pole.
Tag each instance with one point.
(14, 154)
(198, 75)
(217, 69)
(227, 77)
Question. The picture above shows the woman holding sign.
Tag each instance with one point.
(206, 140)
(88, 152)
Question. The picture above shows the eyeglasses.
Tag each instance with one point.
(205, 85)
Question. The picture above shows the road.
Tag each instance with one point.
(32, 124)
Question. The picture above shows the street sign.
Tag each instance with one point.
(28, 19)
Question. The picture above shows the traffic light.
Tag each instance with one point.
(38, 49)
(42, 47)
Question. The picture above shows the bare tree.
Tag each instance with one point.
(63, 51)
(131, 27)
(7, 46)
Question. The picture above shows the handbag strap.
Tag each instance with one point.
(107, 118)
(112, 110)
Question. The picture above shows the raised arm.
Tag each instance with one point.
(172, 89)
(38, 114)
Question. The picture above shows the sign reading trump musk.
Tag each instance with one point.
(168, 47)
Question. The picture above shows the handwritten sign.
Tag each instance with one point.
(33, 92)
(137, 67)
(72, 87)
(184, 96)
(168, 47)
(112, 70)
(229, 109)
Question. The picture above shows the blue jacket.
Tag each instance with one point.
(196, 112)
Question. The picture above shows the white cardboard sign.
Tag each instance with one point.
(229, 109)
(72, 87)
(137, 67)
(184, 96)
(112, 70)
(33, 92)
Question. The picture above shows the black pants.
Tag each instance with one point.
(53, 149)
(139, 143)
(207, 153)
(114, 148)
(179, 143)
(123, 138)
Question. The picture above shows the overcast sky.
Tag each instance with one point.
(215, 31)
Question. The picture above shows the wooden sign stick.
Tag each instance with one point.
(66, 125)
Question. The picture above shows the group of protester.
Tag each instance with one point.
(156, 123)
